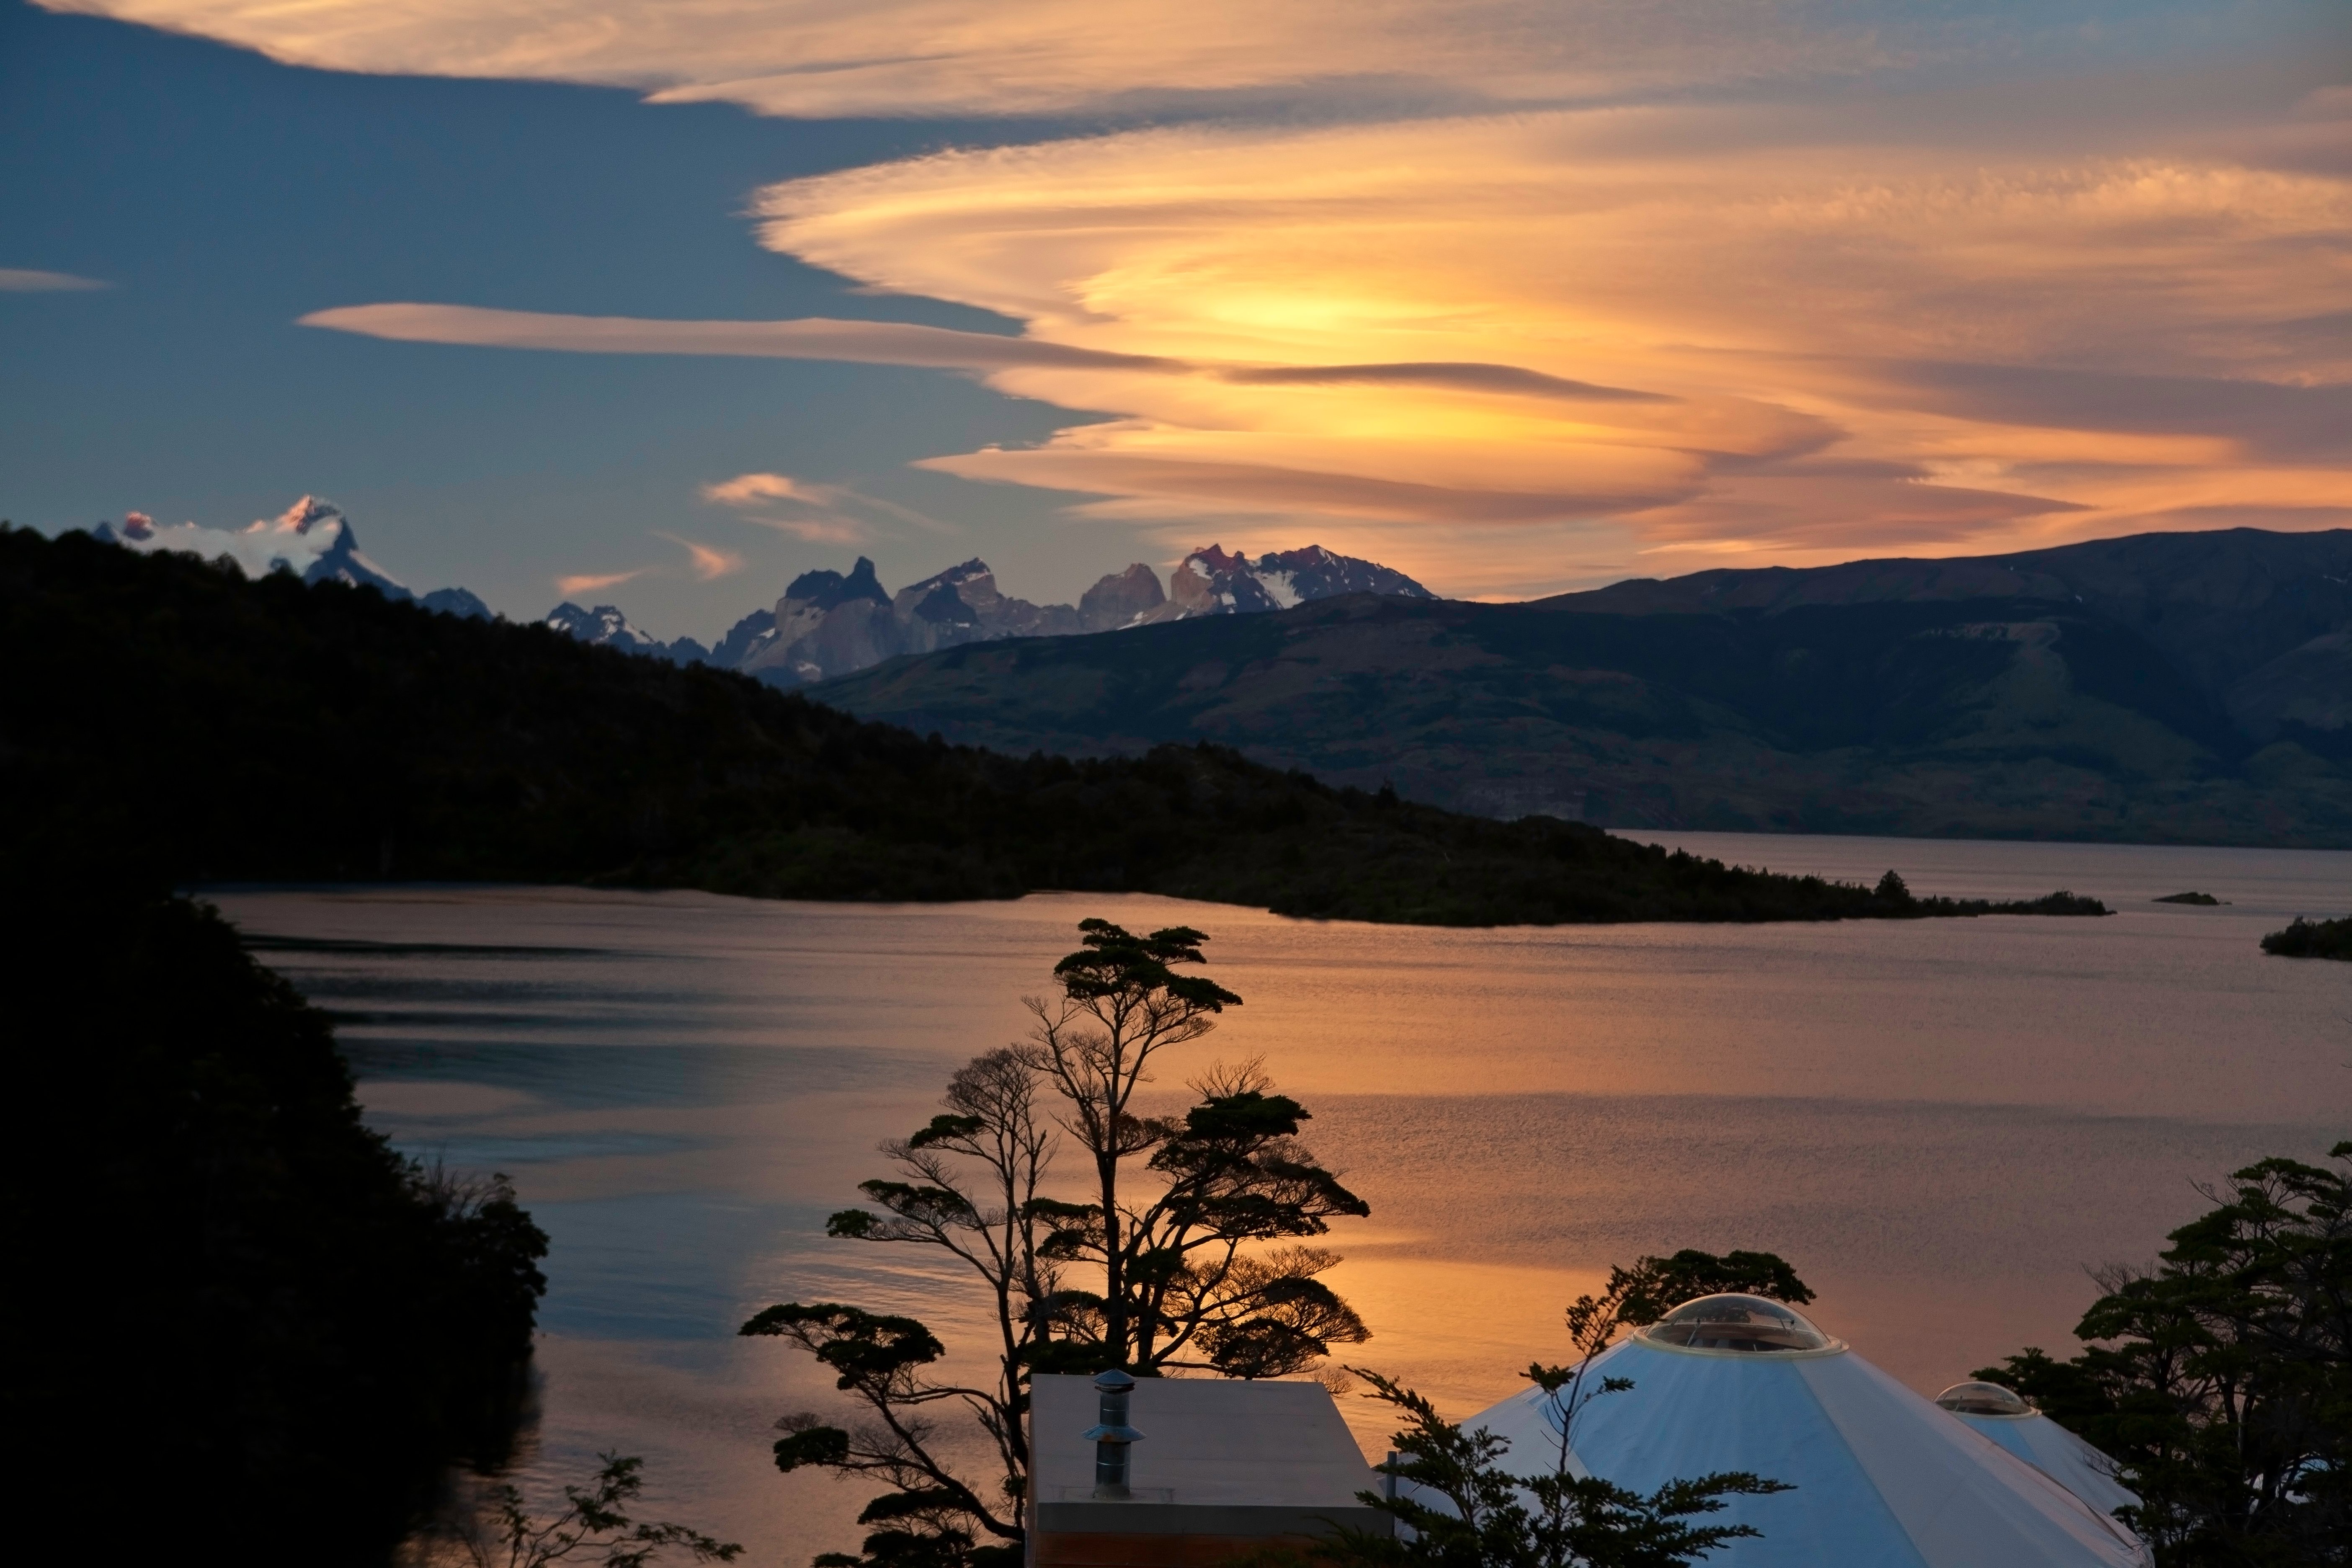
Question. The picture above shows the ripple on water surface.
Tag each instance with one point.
(1941, 1122)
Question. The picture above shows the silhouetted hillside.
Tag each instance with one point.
(2174, 688)
(171, 720)
(212, 1251)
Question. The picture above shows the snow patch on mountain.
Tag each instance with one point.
(312, 539)
(605, 626)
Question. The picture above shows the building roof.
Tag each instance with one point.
(2058, 1453)
(1206, 1440)
(1882, 1476)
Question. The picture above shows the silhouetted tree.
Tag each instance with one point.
(990, 1219)
(2221, 1382)
(1490, 1517)
(1465, 1509)
(1210, 1270)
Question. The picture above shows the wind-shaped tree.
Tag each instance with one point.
(1208, 1266)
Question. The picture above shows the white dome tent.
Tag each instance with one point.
(2009, 1421)
(1883, 1478)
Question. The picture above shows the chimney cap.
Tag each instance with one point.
(1113, 1381)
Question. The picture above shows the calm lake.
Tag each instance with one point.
(1941, 1123)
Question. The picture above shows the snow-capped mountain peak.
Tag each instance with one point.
(312, 539)
(606, 627)
(1212, 583)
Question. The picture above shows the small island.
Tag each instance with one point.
(2312, 939)
(2204, 900)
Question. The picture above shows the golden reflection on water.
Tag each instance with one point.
(1940, 1123)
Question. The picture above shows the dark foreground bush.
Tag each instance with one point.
(2312, 939)
(238, 1321)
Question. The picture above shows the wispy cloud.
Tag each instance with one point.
(813, 337)
(595, 583)
(820, 58)
(707, 562)
(752, 489)
(1710, 309)
(1829, 348)
(25, 280)
(821, 513)
(834, 530)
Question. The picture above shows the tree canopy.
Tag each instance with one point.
(1195, 1251)
(2221, 1381)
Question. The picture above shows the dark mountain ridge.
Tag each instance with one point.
(2168, 688)
(188, 724)
(2218, 605)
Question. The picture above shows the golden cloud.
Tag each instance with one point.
(825, 58)
(594, 583)
(1812, 350)
(709, 562)
(1796, 324)
(752, 489)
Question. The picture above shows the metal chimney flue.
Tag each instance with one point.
(1112, 1435)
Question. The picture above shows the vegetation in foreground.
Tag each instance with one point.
(2311, 938)
(1202, 1254)
(194, 726)
(490, 1527)
(2221, 1381)
(218, 1266)
(1499, 1517)
(1198, 1252)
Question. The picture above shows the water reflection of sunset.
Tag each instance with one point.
(685, 1086)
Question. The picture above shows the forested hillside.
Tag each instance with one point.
(173, 721)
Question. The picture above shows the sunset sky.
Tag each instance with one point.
(682, 296)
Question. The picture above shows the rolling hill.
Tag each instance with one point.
(2166, 688)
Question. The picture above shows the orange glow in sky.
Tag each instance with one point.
(1540, 291)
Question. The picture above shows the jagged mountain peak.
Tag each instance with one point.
(830, 623)
(827, 590)
(1212, 583)
(310, 512)
(606, 627)
(312, 538)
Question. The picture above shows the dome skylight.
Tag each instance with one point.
(1738, 1323)
(1983, 1399)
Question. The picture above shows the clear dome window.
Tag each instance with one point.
(1737, 1323)
(1983, 1399)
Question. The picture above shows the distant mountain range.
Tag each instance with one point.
(2176, 687)
(191, 725)
(2180, 686)
(830, 623)
(826, 624)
